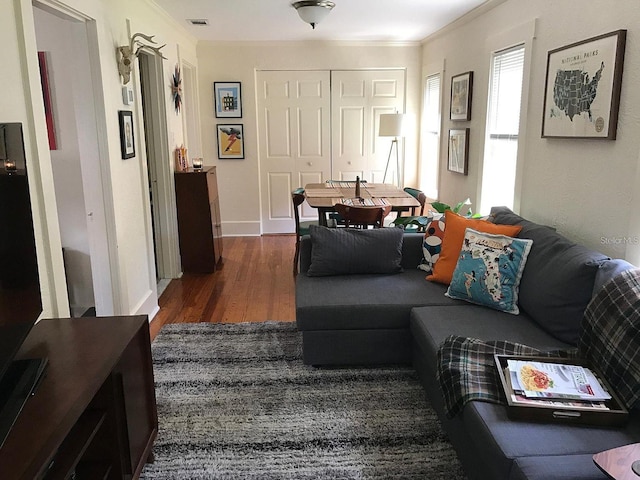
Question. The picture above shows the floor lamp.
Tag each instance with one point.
(391, 125)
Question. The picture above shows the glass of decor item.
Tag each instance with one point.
(197, 163)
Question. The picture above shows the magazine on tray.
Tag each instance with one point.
(545, 380)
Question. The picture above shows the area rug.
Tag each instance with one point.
(235, 401)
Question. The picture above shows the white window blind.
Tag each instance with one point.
(503, 122)
(430, 136)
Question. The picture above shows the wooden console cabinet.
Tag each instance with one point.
(94, 415)
(199, 226)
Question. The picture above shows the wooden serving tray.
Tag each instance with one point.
(616, 415)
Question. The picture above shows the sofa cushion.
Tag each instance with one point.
(558, 467)
(432, 242)
(558, 279)
(367, 301)
(452, 242)
(489, 269)
(340, 251)
(500, 440)
(608, 270)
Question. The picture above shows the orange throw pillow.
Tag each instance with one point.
(453, 238)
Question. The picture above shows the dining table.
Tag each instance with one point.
(324, 196)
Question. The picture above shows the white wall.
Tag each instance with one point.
(128, 196)
(584, 188)
(238, 179)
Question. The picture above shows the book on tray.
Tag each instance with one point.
(559, 381)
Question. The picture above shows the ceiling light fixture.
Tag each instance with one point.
(313, 11)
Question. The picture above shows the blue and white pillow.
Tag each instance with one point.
(489, 270)
(432, 243)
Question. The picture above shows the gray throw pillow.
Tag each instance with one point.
(343, 251)
(558, 279)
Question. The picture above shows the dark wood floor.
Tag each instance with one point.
(253, 283)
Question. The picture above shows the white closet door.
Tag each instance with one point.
(358, 97)
(294, 141)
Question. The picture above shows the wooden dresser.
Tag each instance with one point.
(94, 413)
(199, 226)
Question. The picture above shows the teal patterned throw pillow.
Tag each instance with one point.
(489, 269)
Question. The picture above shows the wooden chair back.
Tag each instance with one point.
(418, 195)
(362, 217)
(297, 196)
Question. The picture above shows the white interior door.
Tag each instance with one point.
(358, 97)
(294, 141)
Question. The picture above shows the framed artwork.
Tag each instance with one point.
(582, 88)
(228, 99)
(230, 141)
(461, 90)
(46, 97)
(127, 141)
(458, 151)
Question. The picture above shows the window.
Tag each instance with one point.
(503, 124)
(430, 137)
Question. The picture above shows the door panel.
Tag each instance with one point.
(357, 100)
(294, 134)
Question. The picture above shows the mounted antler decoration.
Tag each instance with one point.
(127, 52)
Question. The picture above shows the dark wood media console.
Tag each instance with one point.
(94, 414)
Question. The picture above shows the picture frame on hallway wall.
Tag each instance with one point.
(43, 63)
(127, 140)
(582, 88)
(461, 91)
(230, 141)
(227, 99)
(458, 161)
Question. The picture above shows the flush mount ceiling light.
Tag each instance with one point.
(313, 11)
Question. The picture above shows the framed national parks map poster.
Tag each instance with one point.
(582, 90)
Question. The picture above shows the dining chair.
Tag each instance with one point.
(418, 195)
(362, 217)
(302, 228)
(338, 221)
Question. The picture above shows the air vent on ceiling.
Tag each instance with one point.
(198, 22)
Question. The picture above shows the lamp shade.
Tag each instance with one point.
(313, 12)
(392, 125)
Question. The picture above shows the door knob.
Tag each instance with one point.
(310, 164)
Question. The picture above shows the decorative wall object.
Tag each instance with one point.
(461, 90)
(582, 90)
(127, 140)
(228, 99)
(176, 89)
(128, 52)
(46, 97)
(230, 141)
(458, 151)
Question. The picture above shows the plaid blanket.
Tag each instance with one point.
(610, 336)
(467, 369)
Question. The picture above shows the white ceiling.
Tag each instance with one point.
(350, 20)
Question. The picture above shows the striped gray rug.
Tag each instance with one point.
(236, 402)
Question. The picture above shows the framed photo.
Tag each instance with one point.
(582, 89)
(127, 141)
(228, 99)
(47, 98)
(458, 151)
(461, 90)
(230, 141)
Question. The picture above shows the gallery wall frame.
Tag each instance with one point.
(582, 88)
(127, 140)
(461, 92)
(227, 99)
(458, 161)
(230, 141)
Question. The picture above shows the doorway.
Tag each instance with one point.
(161, 184)
(67, 42)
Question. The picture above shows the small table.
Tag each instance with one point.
(324, 196)
(617, 462)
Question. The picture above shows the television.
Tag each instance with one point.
(20, 297)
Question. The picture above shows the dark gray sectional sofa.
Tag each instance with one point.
(373, 318)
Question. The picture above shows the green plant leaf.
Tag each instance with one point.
(440, 207)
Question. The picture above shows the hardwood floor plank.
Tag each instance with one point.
(252, 284)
